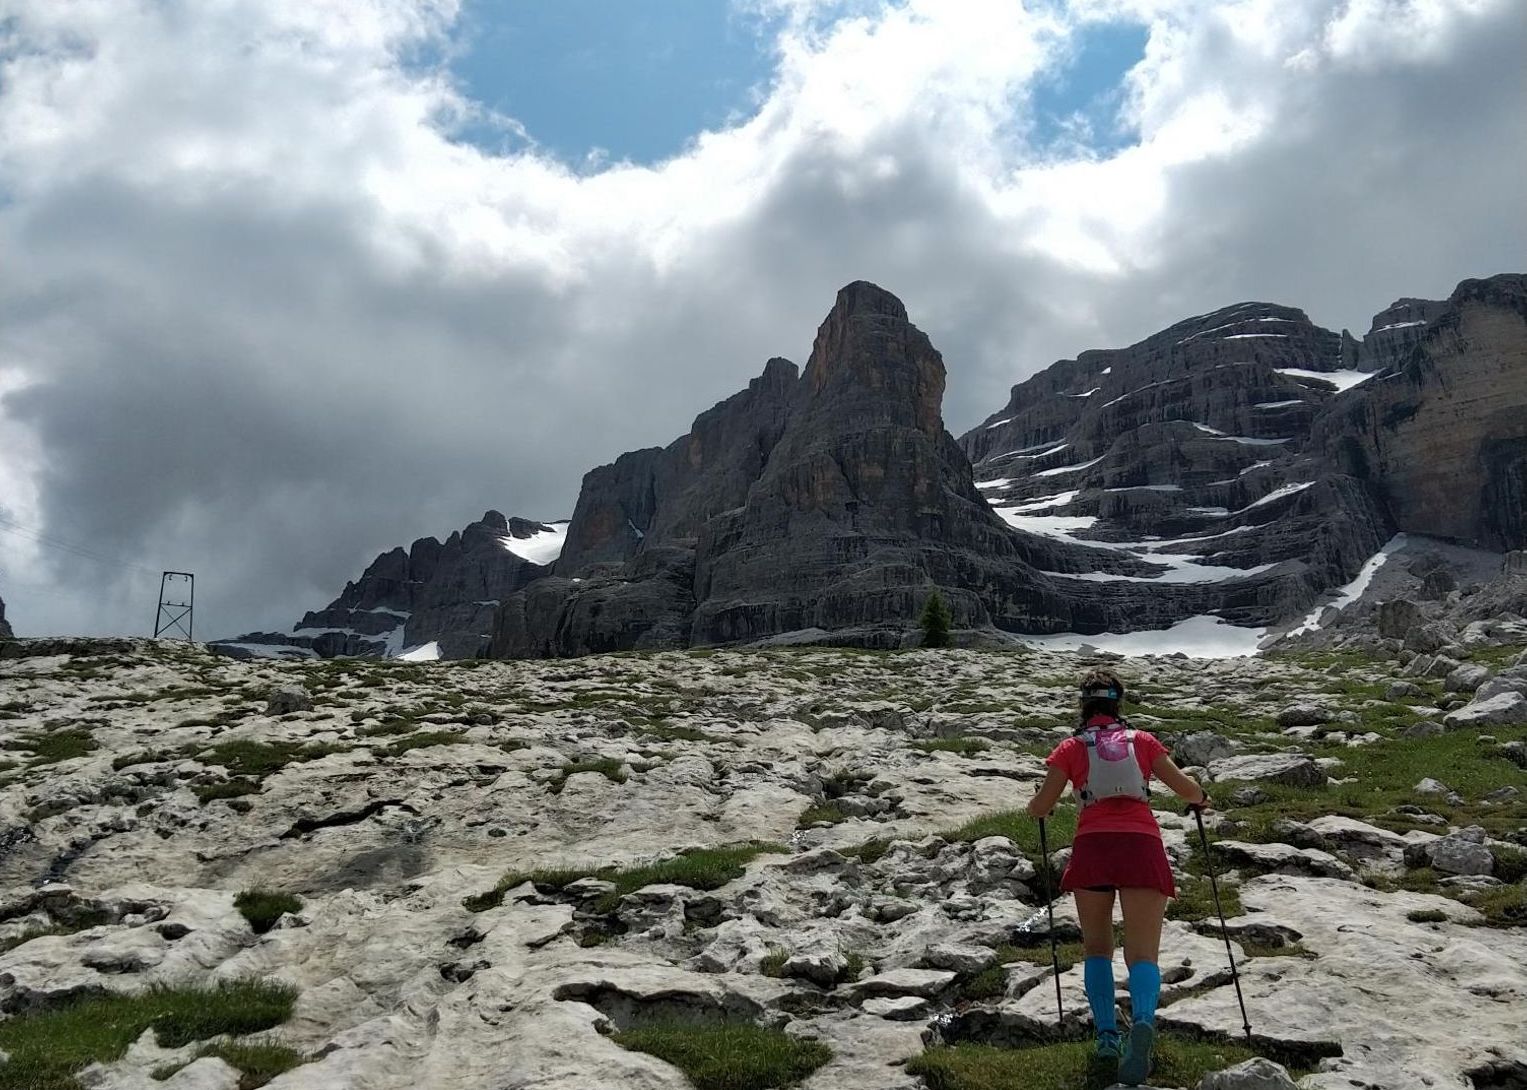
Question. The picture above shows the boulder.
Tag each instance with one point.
(1397, 617)
(965, 960)
(1462, 853)
(1507, 709)
(1306, 714)
(1294, 769)
(287, 699)
(921, 982)
(1285, 859)
(1202, 748)
(1466, 678)
(1255, 1074)
(900, 1008)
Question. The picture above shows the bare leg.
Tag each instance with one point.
(1094, 911)
(1144, 910)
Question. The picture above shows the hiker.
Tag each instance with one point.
(1117, 850)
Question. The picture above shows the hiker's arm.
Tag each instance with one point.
(1167, 772)
(1049, 793)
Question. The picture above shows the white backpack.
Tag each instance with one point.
(1112, 769)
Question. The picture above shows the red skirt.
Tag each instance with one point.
(1109, 861)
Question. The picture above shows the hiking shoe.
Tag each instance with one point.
(1107, 1046)
(1135, 1067)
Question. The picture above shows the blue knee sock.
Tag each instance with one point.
(1097, 976)
(1144, 990)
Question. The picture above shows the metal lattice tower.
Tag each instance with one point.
(175, 616)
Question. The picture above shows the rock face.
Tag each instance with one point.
(442, 593)
(1249, 440)
(5, 628)
(1443, 437)
(831, 501)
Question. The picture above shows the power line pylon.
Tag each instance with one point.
(175, 616)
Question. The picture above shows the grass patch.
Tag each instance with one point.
(773, 963)
(387, 727)
(698, 868)
(228, 789)
(965, 747)
(263, 907)
(261, 759)
(611, 768)
(829, 812)
(1504, 906)
(47, 1048)
(871, 851)
(1426, 915)
(257, 1061)
(728, 1057)
(425, 740)
(673, 732)
(1023, 831)
(1195, 900)
(1180, 1061)
(50, 747)
(989, 983)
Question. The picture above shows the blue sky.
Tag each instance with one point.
(639, 78)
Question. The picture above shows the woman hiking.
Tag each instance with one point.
(1117, 850)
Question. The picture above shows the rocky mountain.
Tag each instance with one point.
(491, 876)
(5, 628)
(435, 599)
(1248, 447)
(1230, 472)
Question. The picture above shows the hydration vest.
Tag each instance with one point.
(1112, 769)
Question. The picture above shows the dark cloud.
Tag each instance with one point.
(334, 332)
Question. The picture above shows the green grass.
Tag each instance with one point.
(426, 739)
(611, 768)
(1067, 1066)
(989, 983)
(1504, 906)
(1195, 900)
(1023, 831)
(773, 963)
(1426, 915)
(673, 732)
(871, 851)
(965, 747)
(50, 747)
(228, 789)
(822, 811)
(258, 1061)
(47, 1048)
(263, 907)
(699, 868)
(261, 759)
(726, 1056)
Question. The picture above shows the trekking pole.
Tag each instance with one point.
(1044, 853)
(1203, 839)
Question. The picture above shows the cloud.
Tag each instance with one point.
(262, 315)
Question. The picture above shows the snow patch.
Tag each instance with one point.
(1277, 404)
(1089, 393)
(1040, 503)
(1341, 379)
(424, 652)
(1353, 590)
(999, 423)
(1077, 468)
(1000, 482)
(1202, 637)
(1395, 325)
(1056, 526)
(1278, 494)
(1147, 488)
(542, 547)
(1249, 336)
(1181, 568)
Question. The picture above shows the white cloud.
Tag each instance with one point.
(272, 319)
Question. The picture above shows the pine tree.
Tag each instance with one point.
(935, 621)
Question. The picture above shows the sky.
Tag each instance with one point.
(285, 283)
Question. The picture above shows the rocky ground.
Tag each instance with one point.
(482, 872)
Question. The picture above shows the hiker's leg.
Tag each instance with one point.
(1094, 911)
(1144, 910)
